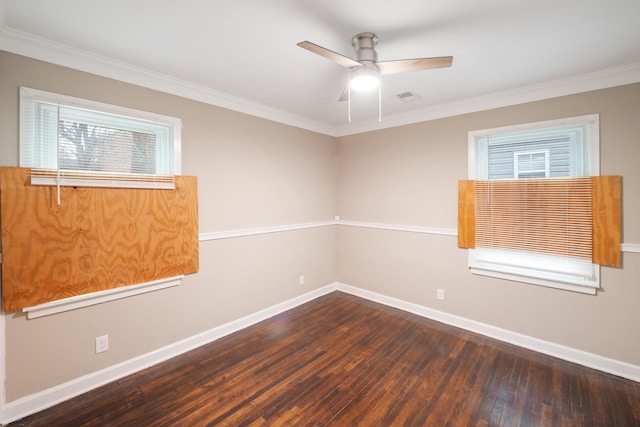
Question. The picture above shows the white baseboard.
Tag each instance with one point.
(604, 364)
(38, 401)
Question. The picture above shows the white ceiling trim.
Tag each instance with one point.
(20, 43)
(618, 76)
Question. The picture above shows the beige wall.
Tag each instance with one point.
(251, 173)
(254, 173)
(409, 175)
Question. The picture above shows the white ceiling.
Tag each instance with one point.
(242, 54)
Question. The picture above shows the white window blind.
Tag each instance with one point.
(70, 141)
(531, 228)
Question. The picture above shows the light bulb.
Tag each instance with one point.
(364, 79)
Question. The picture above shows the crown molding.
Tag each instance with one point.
(603, 79)
(21, 43)
(39, 48)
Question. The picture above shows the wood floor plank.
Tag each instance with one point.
(340, 360)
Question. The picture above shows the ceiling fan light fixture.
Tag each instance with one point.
(364, 79)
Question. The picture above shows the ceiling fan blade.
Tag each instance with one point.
(330, 55)
(402, 65)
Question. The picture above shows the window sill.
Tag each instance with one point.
(552, 271)
(535, 281)
(87, 300)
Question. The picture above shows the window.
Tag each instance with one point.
(66, 141)
(71, 141)
(531, 164)
(533, 202)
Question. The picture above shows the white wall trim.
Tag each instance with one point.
(36, 402)
(29, 45)
(631, 247)
(601, 363)
(401, 227)
(603, 79)
(625, 247)
(216, 235)
(21, 43)
(244, 232)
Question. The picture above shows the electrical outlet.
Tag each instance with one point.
(440, 294)
(301, 280)
(102, 344)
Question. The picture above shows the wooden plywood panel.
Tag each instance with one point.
(607, 196)
(466, 214)
(96, 239)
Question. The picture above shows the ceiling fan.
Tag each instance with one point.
(365, 67)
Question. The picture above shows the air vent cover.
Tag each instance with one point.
(408, 96)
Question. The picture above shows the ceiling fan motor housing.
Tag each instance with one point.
(364, 49)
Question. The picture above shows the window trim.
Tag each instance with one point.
(65, 100)
(87, 300)
(477, 267)
(594, 119)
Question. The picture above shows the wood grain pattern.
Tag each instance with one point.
(607, 196)
(343, 361)
(466, 214)
(96, 239)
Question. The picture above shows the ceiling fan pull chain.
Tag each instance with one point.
(349, 102)
(379, 102)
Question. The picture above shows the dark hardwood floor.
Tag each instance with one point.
(343, 361)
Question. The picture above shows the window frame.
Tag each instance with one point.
(29, 97)
(516, 163)
(475, 257)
